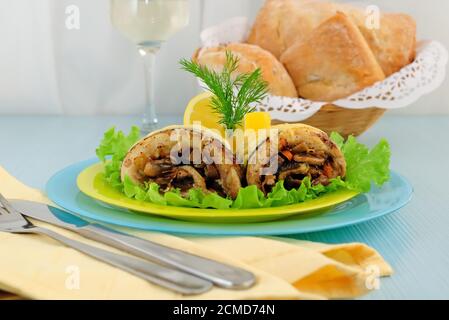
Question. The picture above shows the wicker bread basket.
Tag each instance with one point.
(331, 118)
(352, 115)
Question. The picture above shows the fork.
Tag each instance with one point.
(13, 221)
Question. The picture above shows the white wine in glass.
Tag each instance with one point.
(149, 23)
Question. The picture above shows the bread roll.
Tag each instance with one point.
(282, 23)
(394, 43)
(334, 62)
(250, 58)
(266, 31)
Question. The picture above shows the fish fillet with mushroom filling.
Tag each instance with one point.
(184, 158)
(301, 151)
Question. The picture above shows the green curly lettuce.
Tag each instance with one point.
(364, 167)
(114, 147)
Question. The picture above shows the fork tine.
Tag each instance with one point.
(7, 205)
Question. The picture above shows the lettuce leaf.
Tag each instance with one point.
(364, 167)
(114, 147)
(194, 199)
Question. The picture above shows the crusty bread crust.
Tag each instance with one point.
(334, 62)
(250, 58)
(394, 43)
(282, 23)
(265, 32)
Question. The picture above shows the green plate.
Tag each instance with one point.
(90, 181)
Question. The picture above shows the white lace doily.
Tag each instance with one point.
(401, 89)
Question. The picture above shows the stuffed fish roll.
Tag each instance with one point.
(297, 151)
(184, 158)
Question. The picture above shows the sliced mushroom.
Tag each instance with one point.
(268, 183)
(301, 147)
(292, 183)
(302, 169)
(187, 171)
(211, 172)
(321, 180)
(315, 161)
(140, 162)
(230, 179)
(155, 168)
(152, 170)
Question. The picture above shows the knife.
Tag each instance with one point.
(220, 274)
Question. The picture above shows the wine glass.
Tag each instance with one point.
(149, 23)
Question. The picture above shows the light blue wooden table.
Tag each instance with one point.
(414, 240)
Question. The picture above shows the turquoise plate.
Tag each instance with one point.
(62, 189)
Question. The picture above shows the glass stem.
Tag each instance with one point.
(150, 120)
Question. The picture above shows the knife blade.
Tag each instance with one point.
(222, 275)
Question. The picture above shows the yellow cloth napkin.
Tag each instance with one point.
(37, 267)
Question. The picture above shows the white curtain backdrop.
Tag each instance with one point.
(47, 69)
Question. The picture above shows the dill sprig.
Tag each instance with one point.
(233, 96)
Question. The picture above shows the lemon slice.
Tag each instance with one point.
(199, 111)
(257, 121)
